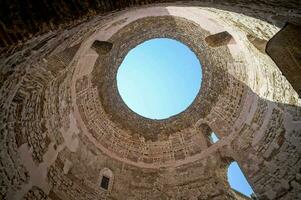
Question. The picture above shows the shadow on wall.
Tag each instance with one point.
(285, 49)
(21, 21)
(267, 148)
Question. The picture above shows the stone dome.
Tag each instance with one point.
(67, 134)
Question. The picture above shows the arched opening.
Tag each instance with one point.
(213, 138)
(238, 182)
(159, 78)
(106, 179)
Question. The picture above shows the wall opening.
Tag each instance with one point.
(106, 179)
(237, 180)
(159, 78)
(105, 182)
(213, 138)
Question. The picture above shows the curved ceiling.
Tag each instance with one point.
(64, 121)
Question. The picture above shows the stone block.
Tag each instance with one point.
(102, 47)
(219, 39)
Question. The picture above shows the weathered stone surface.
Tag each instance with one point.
(105, 72)
(21, 21)
(258, 43)
(219, 39)
(102, 47)
(285, 49)
(59, 133)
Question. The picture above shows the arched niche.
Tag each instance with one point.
(237, 181)
(211, 136)
(106, 179)
(214, 138)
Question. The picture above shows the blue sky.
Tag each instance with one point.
(214, 137)
(160, 78)
(155, 83)
(237, 179)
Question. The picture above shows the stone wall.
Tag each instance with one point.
(287, 43)
(20, 21)
(58, 133)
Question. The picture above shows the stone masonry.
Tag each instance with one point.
(64, 126)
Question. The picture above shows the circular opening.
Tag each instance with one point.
(159, 78)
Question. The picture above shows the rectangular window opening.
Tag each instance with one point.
(105, 182)
(213, 138)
